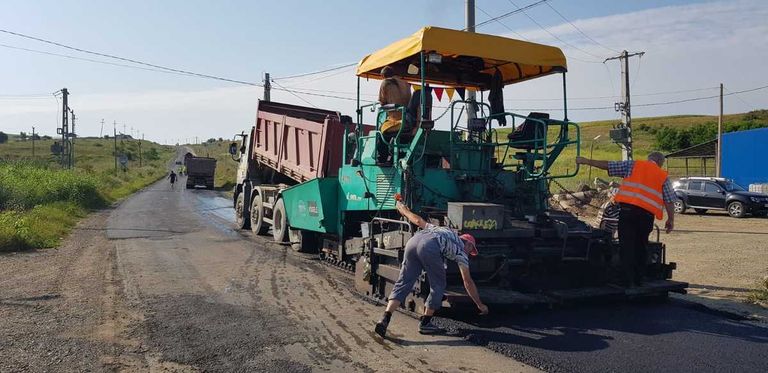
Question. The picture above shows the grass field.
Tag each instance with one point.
(40, 202)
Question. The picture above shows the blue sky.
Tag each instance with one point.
(689, 44)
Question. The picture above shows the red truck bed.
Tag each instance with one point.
(299, 142)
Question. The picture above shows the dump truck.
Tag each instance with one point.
(315, 178)
(200, 171)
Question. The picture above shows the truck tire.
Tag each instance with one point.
(302, 241)
(279, 222)
(242, 216)
(258, 226)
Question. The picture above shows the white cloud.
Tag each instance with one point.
(690, 46)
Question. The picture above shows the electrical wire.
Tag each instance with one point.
(294, 94)
(128, 59)
(579, 30)
(523, 37)
(505, 15)
(553, 35)
(502, 23)
(89, 59)
(315, 72)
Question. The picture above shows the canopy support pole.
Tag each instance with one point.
(565, 100)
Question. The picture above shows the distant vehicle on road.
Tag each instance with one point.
(200, 171)
(708, 193)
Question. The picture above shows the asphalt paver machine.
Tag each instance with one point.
(487, 175)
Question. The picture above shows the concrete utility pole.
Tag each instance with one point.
(469, 14)
(622, 135)
(267, 87)
(64, 128)
(72, 135)
(718, 166)
(33, 142)
(114, 137)
(101, 131)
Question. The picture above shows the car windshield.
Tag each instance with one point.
(732, 187)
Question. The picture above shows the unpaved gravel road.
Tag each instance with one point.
(161, 283)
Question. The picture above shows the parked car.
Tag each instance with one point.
(709, 193)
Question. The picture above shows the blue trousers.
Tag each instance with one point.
(422, 252)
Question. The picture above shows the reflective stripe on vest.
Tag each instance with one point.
(643, 188)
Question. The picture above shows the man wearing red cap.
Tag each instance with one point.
(426, 251)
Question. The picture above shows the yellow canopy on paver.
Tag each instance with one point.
(467, 59)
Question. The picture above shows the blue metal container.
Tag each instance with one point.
(744, 157)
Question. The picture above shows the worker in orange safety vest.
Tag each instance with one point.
(644, 194)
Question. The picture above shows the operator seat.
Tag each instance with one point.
(530, 130)
(413, 117)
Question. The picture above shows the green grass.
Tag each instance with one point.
(40, 202)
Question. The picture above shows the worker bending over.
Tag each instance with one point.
(426, 250)
(643, 195)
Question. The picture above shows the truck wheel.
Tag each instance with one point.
(242, 217)
(279, 222)
(736, 209)
(258, 226)
(302, 241)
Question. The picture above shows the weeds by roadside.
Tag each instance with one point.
(759, 295)
(40, 202)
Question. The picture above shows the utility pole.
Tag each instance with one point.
(469, 15)
(718, 166)
(64, 128)
(101, 131)
(73, 135)
(622, 135)
(114, 137)
(267, 87)
(33, 142)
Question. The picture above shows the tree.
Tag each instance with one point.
(106, 137)
(23, 136)
(3, 137)
(46, 137)
(211, 140)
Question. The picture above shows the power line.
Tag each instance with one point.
(501, 23)
(295, 94)
(521, 36)
(315, 72)
(128, 59)
(579, 30)
(89, 59)
(505, 15)
(552, 34)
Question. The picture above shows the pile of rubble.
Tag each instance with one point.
(586, 201)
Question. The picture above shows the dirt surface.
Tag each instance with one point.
(161, 284)
(722, 258)
(164, 283)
